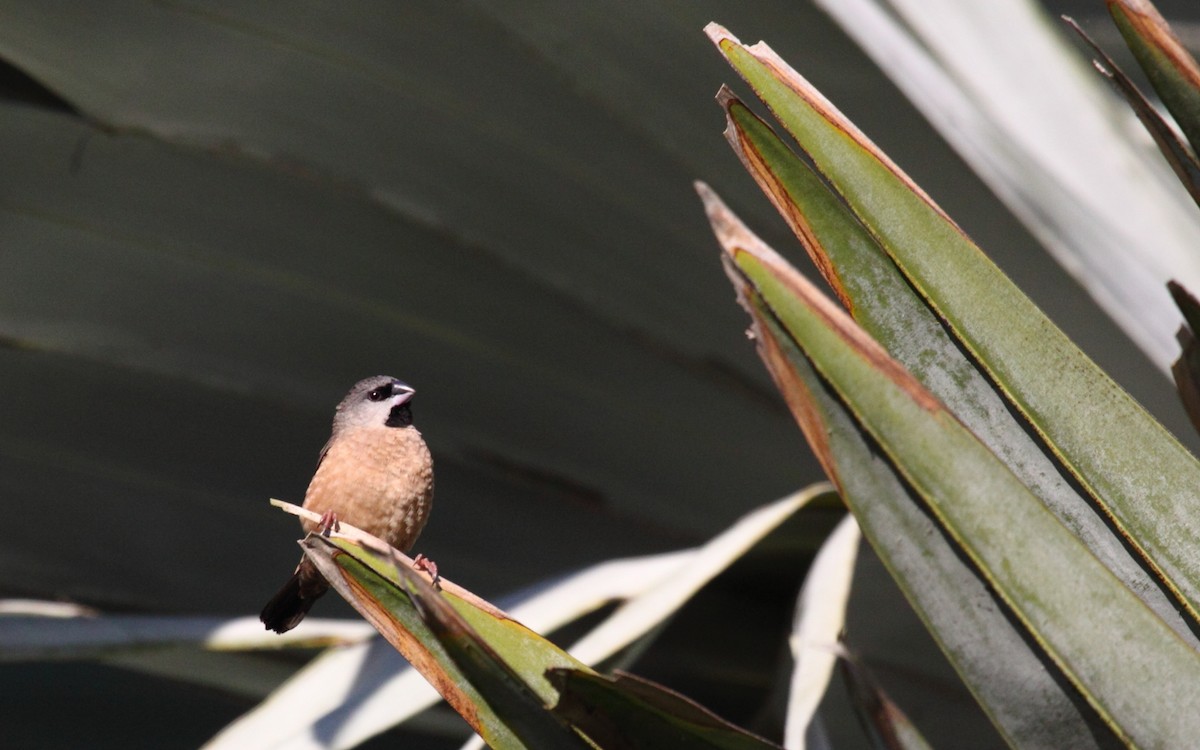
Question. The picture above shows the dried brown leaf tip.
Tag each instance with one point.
(1152, 27)
(790, 77)
(737, 239)
(737, 117)
(796, 395)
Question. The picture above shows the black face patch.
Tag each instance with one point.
(399, 416)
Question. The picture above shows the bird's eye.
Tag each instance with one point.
(380, 393)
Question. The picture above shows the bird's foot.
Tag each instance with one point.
(329, 522)
(423, 563)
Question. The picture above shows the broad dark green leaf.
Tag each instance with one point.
(435, 112)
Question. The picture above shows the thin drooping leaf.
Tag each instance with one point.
(639, 615)
(820, 617)
(93, 636)
(882, 719)
(1017, 686)
(213, 652)
(1140, 476)
(338, 700)
(44, 609)
(883, 303)
(484, 678)
(1172, 146)
(623, 711)
(1170, 67)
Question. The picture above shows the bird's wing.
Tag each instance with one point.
(324, 451)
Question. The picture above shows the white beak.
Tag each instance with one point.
(401, 395)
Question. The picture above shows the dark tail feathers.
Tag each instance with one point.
(288, 607)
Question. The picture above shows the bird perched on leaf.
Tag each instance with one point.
(375, 473)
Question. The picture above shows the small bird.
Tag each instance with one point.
(375, 473)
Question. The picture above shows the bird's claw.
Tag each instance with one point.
(423, 563)
(329, 522)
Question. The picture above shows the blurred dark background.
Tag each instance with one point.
(214, 218)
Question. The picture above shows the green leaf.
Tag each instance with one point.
(624, 711)
(1170, 67)
(651, 608)
(1018, 687)
(1140, 476)
(883, 303)
(1064, 597)
(493, 678)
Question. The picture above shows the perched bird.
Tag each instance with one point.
(375, 473)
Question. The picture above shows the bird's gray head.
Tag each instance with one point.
(380, 401)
